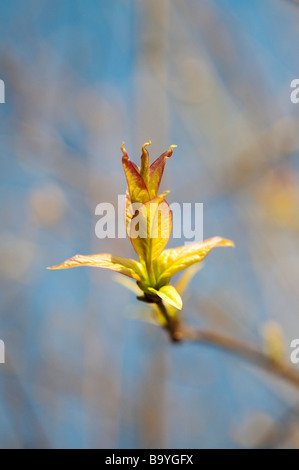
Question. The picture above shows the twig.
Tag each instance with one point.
(243, 350)
(172, 324)
(178, 334)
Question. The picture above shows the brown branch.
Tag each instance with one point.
(177, 333)
(172, 325)
(243, 350)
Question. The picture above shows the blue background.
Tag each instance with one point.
(82, 370)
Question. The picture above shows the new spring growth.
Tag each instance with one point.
(149, 225)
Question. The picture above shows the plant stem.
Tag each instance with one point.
(172, 323)
(178, 334)
(243, 350)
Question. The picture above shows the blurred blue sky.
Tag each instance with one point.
(81, 77)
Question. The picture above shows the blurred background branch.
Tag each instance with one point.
(214, 78)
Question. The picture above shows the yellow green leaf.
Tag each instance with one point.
(174, 260)
(136, 185)
(128, 210)
(184, 279)
(144, 169)
(182, 283)
(128, 267)
(170, 295)
(156, 172)
(150, 229)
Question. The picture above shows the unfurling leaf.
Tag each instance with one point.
(150, 228)
(174, 260)
(148, 221)
(170, 295)
(156, 172)
(126, 266)
(136, 185)
(144, 169)
(183, 281)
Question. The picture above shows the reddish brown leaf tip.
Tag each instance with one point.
(122, 148)
(145, 145)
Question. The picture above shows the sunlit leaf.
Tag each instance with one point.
(148, 221)
(144, 169)
(170, 295)
(185, 278)
(126, 266)
(136, 185)
(150, 229)
(156, 172)
(128, 210)
(174, 260)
